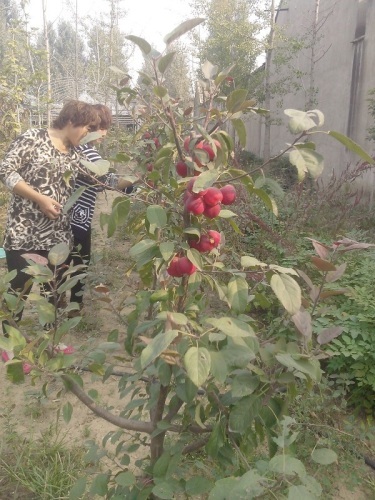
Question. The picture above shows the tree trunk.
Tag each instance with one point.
(311, 104)
(267, 84)
(48, 63)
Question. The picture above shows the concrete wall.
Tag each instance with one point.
(342, 89)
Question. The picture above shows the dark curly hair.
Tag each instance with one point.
(79, 114)
(105, 116)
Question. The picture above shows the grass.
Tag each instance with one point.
(42, 469)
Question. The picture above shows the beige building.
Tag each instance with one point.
(337, 63)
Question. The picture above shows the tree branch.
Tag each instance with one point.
(123, 423)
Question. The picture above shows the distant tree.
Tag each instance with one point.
(234, 36)
(107, 48)
(178, 76)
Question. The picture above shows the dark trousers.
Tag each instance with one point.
(81, 255)
(22, 281)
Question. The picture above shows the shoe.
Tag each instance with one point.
(65, 349)
(8, 355)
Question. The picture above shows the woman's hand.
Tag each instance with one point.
(50, 207)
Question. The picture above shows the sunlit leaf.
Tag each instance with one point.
(238, 293)
(209, 70)
(232, 327)
(166, 61)
(352, 146)
(182, 29)
(287, 291)
(58, 254)
(141, 43)
(67, 412)
(287, 465)
(324, 456)
(307, 161)
(235, 100)
(72, 199)
(99, 167)
(157, 346)
(197, 362)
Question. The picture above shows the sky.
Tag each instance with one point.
(149, 19)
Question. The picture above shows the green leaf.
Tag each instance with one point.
(91, 136)
(144, 251)
(223, 489)
(78, 489)
(244, 384)
(160, 91)
(164, 490)
(324, 456)
(243, 413)
(72, 199)
(287, 465)
(197, 486)
(195, 258)
(307, 161)
(209, 70)
(352, 146)
(232, 327)
(226, 214)
(100, 485)
(67, 412)
(157, 346)
(182, 29)
(197, 361)
(238, 291)
(287, 291)
(235, 99)
(141, 43)
(58, 254)
(240, 128)
(99, 167)
(300, 491)
(300, 121)
(157, 217)
(166, 61)
(267, 200)
(248, 261)
(125, 479)
(219, 369)
(310, 367)
(175, 317)
(15, 371)
(205, 180)
(167, 250)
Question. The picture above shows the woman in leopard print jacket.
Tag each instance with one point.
(39, 169)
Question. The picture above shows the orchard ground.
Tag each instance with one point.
(23, 408)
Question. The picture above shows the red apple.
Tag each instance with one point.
(204, 244)
(189, 188)
(229, 194)
(212, 212)
(174, 269)
(181, 168)
(213, 196)
(185, 266)
(150, 167)
(194, 205)
(215, 237)
(156, 142)
(146, 135)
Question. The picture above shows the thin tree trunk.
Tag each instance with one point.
(76, 55)
(267, 84)
(48, 63)
(311, 94)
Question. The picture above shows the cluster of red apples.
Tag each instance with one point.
(207, 202)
